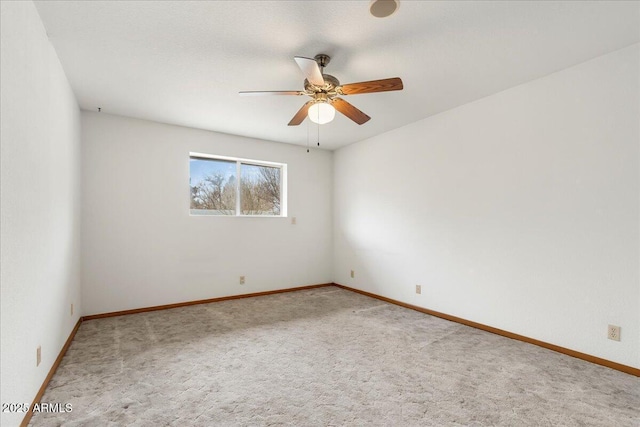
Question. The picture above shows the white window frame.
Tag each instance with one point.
(239, 161)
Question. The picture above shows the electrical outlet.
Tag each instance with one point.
(353, 274)
(72, 309)
(242, 280)
(38, 356)
(614, 333)
(418, 289)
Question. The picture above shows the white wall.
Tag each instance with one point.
(40, 204)
(140, 246)
(519, 211)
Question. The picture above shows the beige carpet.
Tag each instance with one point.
(323, 357)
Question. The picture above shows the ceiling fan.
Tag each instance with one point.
(325, 91)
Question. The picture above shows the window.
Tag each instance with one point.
(236, 187)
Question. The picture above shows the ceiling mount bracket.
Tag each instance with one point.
(322, 59)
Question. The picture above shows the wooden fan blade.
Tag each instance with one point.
(270, 92)
(300, 115)
(311, 70)
(350, 111)
(372, 86)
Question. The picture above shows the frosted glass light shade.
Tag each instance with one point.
(321, 113)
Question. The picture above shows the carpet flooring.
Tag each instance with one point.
(323, 357)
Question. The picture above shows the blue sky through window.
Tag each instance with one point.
(250, 171)
(200, 169)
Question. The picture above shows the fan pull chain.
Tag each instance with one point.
(318, 132)
(308, 137)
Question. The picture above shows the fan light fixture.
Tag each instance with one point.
(321, 113)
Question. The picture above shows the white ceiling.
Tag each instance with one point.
(185, 62)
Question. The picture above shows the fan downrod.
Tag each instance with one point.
(322, 59)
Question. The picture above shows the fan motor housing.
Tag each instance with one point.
(330, 85)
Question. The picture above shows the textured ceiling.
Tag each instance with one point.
(185, 62)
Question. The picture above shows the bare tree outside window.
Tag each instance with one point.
(259, 190)
(215, 188)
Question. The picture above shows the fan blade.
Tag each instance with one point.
(311, 70)
(301, 114)
(270, 92)
(372, 86)
(350, 111)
